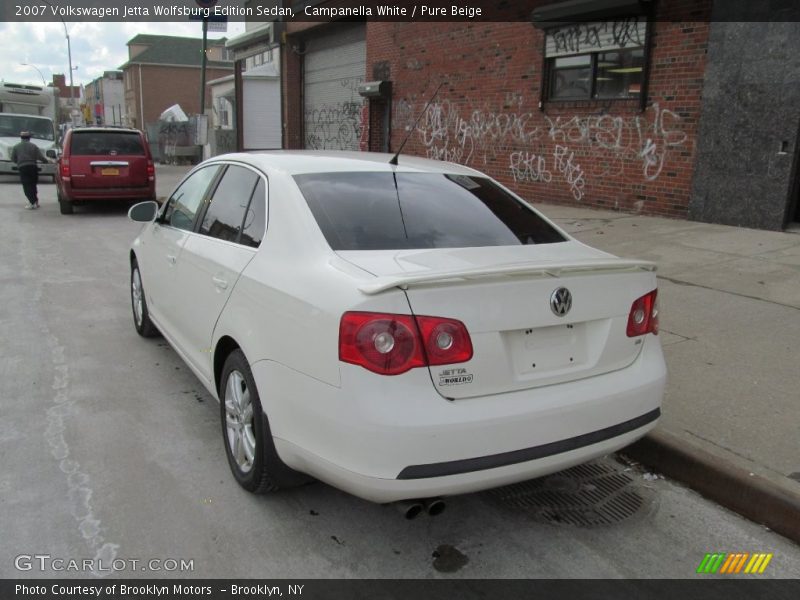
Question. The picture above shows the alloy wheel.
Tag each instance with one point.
(239, 421)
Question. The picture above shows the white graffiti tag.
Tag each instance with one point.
(610, 144)
(564, 162)
(528, 166)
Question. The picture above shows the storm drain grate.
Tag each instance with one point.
(589, 495)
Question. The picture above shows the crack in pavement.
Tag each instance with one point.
(732, 293)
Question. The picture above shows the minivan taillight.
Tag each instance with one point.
(151, 170)
(65, 170)
(643, 317)
(391, 344)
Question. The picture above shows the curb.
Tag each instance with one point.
(759, 498)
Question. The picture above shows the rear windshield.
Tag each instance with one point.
(399, 211)
(98, 143)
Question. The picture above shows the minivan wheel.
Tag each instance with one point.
(65, 206)
(141, 317)
(252, 457)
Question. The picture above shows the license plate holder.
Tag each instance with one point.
(543, 349)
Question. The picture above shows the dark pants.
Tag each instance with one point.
(29, 175)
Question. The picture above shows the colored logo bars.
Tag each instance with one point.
(732, 564)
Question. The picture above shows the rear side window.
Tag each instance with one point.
(255, 221)
(104, 143)
(226, 211)
(386, 211)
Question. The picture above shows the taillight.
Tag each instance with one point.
(643, 317)
(65, 171)
(446, 340)
(391, 344)
(151, 169)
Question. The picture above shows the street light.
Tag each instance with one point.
(69, 55)
(44, 83)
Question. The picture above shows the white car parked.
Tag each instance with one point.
(399, 332)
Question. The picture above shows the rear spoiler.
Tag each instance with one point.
(583, 267)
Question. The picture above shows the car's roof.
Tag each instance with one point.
(295, 162)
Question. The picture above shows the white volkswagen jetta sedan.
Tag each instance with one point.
(397, 331)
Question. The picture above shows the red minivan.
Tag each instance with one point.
(104, 163)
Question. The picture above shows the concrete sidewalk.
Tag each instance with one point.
(730, 327)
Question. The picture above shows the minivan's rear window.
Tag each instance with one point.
(400, 211)
(104, 143)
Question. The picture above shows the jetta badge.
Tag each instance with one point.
(560, 301)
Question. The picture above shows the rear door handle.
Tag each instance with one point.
(171, 258)
(220, 282)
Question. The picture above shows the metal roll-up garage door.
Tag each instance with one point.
(261, 100)
(334, 114)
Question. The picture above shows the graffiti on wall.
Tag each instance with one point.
(177, 141)
(648, 138)
(337, 126)
(540, 148)
(586, 37)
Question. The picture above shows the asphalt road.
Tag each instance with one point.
(111, 449)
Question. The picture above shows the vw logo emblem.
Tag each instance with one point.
(560, 301)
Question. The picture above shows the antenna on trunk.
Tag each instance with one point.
(393, 161)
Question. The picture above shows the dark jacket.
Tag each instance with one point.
(26, 153)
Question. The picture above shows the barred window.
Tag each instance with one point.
(603, 60)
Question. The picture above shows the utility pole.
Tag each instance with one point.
(207, 5)
(203, 62)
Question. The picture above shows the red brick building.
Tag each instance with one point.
(499, 108)
(647, 106)
(165, 70)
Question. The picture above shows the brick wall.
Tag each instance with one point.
(165, 86)
(598, 153)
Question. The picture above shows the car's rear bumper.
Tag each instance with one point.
(392, 490)
(79, 194)
(386, 439)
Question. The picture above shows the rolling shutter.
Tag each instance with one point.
(334, 113)
(261, 98)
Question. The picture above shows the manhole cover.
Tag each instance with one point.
(589, 495)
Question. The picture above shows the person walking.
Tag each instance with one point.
(26, 155)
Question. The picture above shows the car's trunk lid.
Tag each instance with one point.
(503, 296)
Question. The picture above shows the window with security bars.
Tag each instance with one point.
(599, 60)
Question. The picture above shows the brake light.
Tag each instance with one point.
(65, 170)
(151, 169)
(391, 344)
(643, 317)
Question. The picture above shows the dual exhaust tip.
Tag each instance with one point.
(411, 509)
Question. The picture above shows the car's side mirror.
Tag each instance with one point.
(50, 153)
(143, 212)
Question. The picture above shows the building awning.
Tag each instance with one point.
(587, 10)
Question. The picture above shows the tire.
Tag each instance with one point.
(65, 206)
(141, 316)
(252, 457)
